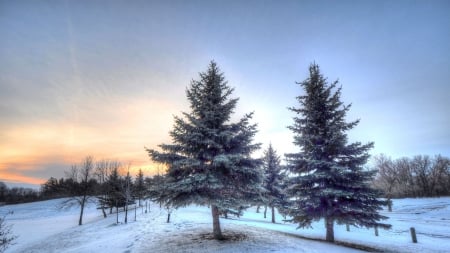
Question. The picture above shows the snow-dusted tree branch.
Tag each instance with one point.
(327, 176)
(209, 160)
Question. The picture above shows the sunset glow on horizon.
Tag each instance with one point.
(32, 147)
(105, 78)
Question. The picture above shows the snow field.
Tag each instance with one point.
(43, 227)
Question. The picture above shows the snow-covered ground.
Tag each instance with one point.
(43, 227)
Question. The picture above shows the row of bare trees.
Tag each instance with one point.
(419, 176)
(105, 182)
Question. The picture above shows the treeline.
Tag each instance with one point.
(420, 176)
(17, 195)
(105, 182)
(61, 188)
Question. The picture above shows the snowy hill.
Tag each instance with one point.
(43, 227)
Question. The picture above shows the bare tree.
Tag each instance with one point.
(83, 188)
(387, 177)
(421, 166)
(127, 193)
(420, 176)
(101, 171)
(407, 185)
(440, 176)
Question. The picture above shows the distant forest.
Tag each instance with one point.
(73, 185)
(419, 176)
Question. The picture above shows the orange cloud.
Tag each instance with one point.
(17, 178)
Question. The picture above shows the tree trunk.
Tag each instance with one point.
(265, 211)
(329, 224)
(217, 232)
(257, 209)
(413, 234)
(273, 214)
(126, 212)
(389, 204)
(103, 211)
(80, 221)
(117, 214)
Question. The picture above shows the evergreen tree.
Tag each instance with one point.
(209, 161)
(114, 189)
(6, 236)
(139, 186)
(156, 189)
(273, 179)
(3, 191)
(157, 192)
(327, 176)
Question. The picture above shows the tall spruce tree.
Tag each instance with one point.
(209, 162)
(273, 179)
(327, 176)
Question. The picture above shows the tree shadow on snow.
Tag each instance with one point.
(228, 236)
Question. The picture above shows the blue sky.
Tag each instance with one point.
(104, 78)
